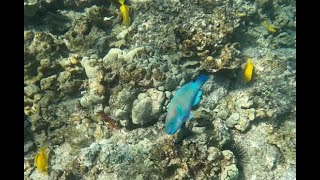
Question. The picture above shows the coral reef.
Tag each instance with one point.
(148, 106)
(96, 90)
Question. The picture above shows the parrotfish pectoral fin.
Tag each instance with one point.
(197, 99)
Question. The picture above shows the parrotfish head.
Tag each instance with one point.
(173, 123)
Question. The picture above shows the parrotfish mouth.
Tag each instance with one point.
(169, 131)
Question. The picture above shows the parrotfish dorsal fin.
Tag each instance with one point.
(197, 99)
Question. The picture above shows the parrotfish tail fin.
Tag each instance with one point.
(201, 80)
(198, 98)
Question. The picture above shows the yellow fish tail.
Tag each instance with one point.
(121, 2)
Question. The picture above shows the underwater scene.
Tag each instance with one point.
(159, 89)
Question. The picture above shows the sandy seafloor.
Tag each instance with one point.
(96, 90)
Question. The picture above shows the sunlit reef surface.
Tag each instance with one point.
(96, 90)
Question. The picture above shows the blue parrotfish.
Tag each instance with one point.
(179, 109)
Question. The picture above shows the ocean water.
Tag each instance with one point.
(99, 77)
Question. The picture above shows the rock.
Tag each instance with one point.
(223, 114)
(141, 96)
(228, 166)
(64, 76)
(244, 101)
(241, 119)
(141, 112)
(121, 102)
(120, 114)
(213, 154)
(106, 110)
(168, 95)
(95, 88)
(96, 98)
(45, 63)
(28, 167)
(175, 71)
(86, 120)
(48, 98)
(86, 101)
(68, 174)
(182, 82)
(118, 153)
(284, 39)
(198, 130)
(94, 56)
(31, 89)
(88, 155)
(158, 83)
(230, 173)
(111, 57)
(157, 98)
(260, 113)
(215, 96)
(69, 87)
(171, 82)
(147, 106)
(89, 68)
(31, 7)
(161, 88)
(97, 109)
(242, 124)
(29, 146)
(134, 52)
(232, 120)
(56, 174)
(270, 161)
(220, 132)
(264, 3)
(47, 83)
(166, 102)
(66, 63)
(251, 114)
(123, 34)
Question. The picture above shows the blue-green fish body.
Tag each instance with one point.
(186, 97)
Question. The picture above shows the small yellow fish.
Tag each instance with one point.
(41, 160)
(241, 14)
(248, 70)
(125, 13)
(269, 26)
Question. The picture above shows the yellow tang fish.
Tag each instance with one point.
(41, 160)
(248, 70)
(125, 13)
